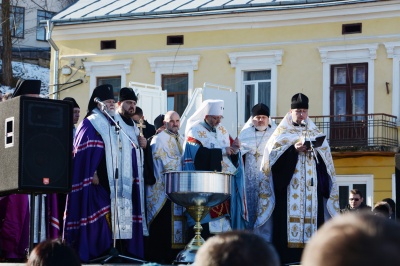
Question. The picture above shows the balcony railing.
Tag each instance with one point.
(357, 130)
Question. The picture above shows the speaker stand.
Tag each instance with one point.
(31, 222)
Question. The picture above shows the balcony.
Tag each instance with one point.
(373, 133)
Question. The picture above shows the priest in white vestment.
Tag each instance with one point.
(299, 184)
(253, 137)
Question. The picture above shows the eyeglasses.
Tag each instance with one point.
(355, 199)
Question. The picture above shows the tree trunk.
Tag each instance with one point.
(6, 56)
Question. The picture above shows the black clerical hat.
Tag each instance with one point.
(127, 94)
(260, 109)
(299, 101)
(159, 121)
(27, 86)
(70, 99)
(103, 92)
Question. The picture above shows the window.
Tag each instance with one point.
(365, 183)
(349, 85)
(257, 89)
(17, 20)
(256, 78)
(40, 29)
(103, 72)
(114, 81)
(177, 91)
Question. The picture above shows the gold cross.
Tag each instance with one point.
(257, 155)
(141, 126)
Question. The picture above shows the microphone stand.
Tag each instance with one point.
(114, 253)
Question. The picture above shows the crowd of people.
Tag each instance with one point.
(283, 188)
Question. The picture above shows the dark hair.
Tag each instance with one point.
(382, 208)
(360, 239)
(356, 191)
(53, 252)
(139, 111)
(237, 248)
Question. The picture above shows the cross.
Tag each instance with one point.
(141, 126)
(257, 155)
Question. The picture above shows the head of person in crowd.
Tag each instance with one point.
(237, 248)
(214, 110)
(260, 114)
(127, 102)
(159, 124)
(105, 94)
(76, 111)
(53, 253)
(27, 87)
(354, 239)
(382, 209)
(392, 205)
(299, 108)
(172, 121)
(138, 114)
(355, 199)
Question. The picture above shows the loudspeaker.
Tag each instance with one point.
(36, 149)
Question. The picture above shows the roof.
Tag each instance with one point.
(88, 11)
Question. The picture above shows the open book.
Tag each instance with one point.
(316, 141)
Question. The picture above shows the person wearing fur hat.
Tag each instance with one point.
(99, 150)
(253, 137)
(301, 192)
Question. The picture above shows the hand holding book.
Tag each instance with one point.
(316, 141)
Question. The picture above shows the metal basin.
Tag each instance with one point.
(197, 188)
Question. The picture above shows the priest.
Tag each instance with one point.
(105, 159)
(253, 137)
(209, 147)
(299, 185)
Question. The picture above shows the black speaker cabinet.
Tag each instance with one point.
(397, 184)
(36, 148)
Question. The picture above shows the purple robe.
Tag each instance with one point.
(86, 227)
(14, 226)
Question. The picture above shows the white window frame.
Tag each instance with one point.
(170, 65)
(349, 180)
(347, 54)
(393, 51)
(255, 61)
(107, 69)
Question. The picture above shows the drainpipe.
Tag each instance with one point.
(50, 26)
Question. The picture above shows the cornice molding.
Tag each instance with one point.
(123, 65)
(273, 57)
(191, 61)
(346, 52)
(262, 19)
(392, 49)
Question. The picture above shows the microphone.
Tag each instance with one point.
(304, 123)
(97, 100)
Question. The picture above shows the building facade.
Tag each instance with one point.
(345, 55)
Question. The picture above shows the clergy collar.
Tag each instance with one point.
(171, 133)
(297, 125)
(208, 127)
(127, 120)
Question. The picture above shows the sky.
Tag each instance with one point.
(29, 71)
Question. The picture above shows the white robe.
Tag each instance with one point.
(252, 145)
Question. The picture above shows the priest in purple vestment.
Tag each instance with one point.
(107, 184)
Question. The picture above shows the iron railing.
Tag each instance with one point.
(357, 130)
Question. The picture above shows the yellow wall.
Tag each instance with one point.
(301, 68)
(381, 167)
